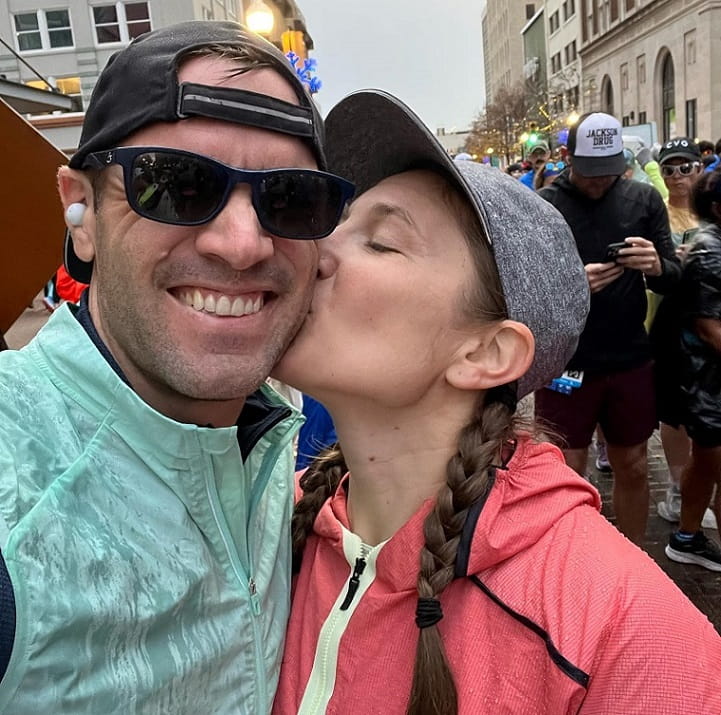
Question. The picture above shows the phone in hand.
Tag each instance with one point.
(688, 235)
(612, 251)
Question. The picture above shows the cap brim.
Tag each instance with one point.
(366, 152)
(599, 165)
(679, 155)
(80, 271)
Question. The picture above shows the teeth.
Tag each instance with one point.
(238, 308)
(222, 305)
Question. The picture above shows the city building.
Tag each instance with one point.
(564, 63)
(66, 44)
(654, 61)
(503, 57)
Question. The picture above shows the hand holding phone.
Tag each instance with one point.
(612, 251)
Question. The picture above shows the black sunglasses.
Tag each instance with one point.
(186, 189)
(685, 169)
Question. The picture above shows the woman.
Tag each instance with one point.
(449, 562)
(700, 299)
(680, 162)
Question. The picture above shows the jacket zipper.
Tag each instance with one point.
(360, 565)
(321, 683)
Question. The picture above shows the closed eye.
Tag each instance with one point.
(380, 248)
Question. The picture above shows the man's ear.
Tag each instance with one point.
(75, 188)
(502, 353)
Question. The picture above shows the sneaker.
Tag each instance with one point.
(699, 550)
(670, 508)
(709, 520)
(602, 463)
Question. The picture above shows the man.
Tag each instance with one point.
(613, 355)
(145, 478)
(539, 153)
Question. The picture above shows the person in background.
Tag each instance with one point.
(700, 297)
(538, 154)
(680, 161)
(709, 155)
(449, 561)
(647, 159)
(515, 170)
(316, 434)
(547, 174)
(623, 237)
(145, 468)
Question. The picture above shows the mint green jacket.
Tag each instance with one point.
(149, 561)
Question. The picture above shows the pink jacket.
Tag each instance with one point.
(560, 613)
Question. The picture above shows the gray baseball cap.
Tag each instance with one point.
(371, 135)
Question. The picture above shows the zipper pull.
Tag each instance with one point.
(353, 584)
(254, 600)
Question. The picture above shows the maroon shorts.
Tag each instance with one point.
(621, 402)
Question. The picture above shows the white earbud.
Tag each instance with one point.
(75, 213)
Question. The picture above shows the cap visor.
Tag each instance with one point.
(599, 166)
(366, 152)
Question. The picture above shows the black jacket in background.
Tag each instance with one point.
(614, 337)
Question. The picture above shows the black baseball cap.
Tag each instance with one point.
(139, 86)
(679, 148)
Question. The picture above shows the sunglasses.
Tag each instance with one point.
(685, 169)
(552, 168)
(186, 189)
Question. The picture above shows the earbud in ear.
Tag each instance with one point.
(75, 214)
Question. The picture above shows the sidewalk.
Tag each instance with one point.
(703, 587)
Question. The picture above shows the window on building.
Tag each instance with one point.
(594, 17)
(569, 9)
(556, 63)
(642, 117)
(630, 4)
(121, 21)
(690, 48)
(43, 30)
(613, 8)
(553, 23)
(530, 10)
(624, 76)
(641, 69)
(691, 126)
(572, 97)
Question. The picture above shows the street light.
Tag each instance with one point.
(259, 18)
(572, 118)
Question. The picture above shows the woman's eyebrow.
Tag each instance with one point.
(382, 209)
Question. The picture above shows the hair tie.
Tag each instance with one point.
(428, 612)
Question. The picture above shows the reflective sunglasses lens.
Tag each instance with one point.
(174, 188)
(297, 204)
(686, 169)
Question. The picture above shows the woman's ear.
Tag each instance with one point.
(502, 353)
(76, 192)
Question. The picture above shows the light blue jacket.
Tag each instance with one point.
(149, 561)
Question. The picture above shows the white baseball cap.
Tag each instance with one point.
(595, 144)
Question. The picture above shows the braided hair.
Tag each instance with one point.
(480, 442)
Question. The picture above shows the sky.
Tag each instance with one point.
(426, 52)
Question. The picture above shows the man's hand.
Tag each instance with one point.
(641, 255)
(601, 274)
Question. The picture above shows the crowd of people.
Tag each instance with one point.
(442, 557)
(635, 218)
